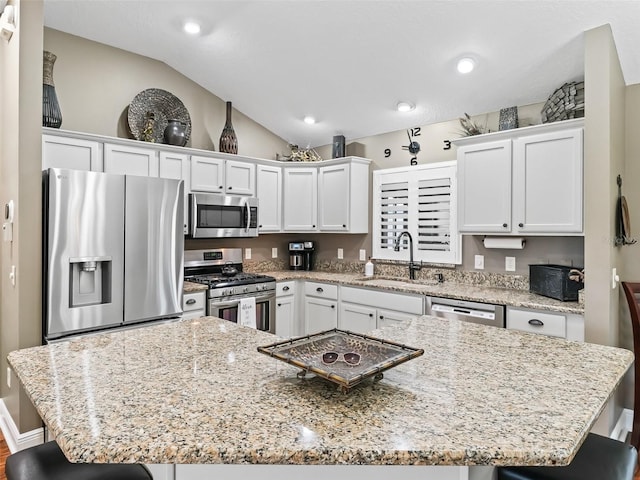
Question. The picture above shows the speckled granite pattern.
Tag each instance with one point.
(190, 287)
(460, 291)
(197, 391)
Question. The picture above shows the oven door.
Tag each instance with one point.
(222, 216)
(228, 309)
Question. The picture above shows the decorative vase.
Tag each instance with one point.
(508, 118)
(175, 133)
(338, 150)
(228, 139)
(51, 115)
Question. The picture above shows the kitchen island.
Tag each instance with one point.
(198, 392)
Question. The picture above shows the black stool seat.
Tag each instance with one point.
(599, 458)
(47, 462)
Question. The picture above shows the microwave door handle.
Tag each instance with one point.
(248, 215)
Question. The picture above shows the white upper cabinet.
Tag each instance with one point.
(240, 178)
(269, 193)
(547, 174)
(484, 181)
(343, 197)
(216, 175)
(129, 160)
(301, 199)
(72, 153)
(526, 181)
(330, 196)
(207, 174)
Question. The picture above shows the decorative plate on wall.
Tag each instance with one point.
(150, 111)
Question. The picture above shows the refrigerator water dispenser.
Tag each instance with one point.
(90, 281)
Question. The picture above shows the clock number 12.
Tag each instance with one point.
(415, 132)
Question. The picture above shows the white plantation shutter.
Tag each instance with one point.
(394, 212)
(422, 201)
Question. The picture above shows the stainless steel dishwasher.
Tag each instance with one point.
(474, 312)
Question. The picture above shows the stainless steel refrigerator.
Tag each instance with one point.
(113, 250)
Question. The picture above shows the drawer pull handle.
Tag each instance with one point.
(285, 289)
(319, 289)
(536, 323)
(191, 301)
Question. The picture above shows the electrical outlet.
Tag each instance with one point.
(510, 264)
(274, 252)
(340, 254)
(8, 377)
(363, 254)
(247, 254)
(479, 262)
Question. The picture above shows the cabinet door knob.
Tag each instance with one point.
(505, 225)
(285, 289)
(259, 226)
(371, 314)
(344, 226)
(381, 317)
(279, 304)
(221, 187)
(191, 301)
(536, 323)
(333, 306)
(313, 226)
(521, 225)
(319, 289)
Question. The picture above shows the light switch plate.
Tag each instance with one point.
(247, 254)
(274, 252)
(510, 264)
(479, 262)
(340, 254)
(363, 254)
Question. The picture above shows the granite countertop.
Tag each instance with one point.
(478, 293)
(191, 287)
(197, 391)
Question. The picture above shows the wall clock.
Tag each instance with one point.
(413, 146)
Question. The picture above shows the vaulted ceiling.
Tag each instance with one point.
(348, 63)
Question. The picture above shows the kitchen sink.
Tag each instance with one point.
(382, 281)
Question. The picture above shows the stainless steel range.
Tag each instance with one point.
(221, 270)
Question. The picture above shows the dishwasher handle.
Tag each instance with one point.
(469, 312)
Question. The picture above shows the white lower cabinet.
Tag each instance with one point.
(555, 324)
(194, 305)
(363, 309)
(320, 307)
(287, 324)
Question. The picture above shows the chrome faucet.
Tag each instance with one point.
(413, 267)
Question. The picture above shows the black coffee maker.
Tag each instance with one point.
(301, 255)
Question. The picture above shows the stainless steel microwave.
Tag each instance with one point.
(222, 216)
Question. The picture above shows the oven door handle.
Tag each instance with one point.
(236, 300)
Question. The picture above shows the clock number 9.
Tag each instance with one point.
(387, 152)
(414, 160)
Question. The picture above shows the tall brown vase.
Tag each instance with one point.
(51, 115)
(228, 139)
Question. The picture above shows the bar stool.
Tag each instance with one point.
(47, 462)
(599, 457)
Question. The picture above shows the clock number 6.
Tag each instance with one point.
(387, 152)
(414, 160)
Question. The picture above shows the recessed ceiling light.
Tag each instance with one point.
(405, 106)
(192, 28)
(309, 120)
(466, 65)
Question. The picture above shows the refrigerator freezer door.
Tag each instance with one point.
(84, 251)
(154, 248)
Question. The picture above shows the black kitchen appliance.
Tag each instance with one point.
(301, 255)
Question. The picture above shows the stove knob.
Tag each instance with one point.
(246, 289)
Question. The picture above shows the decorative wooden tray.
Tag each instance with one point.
(340, 356)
